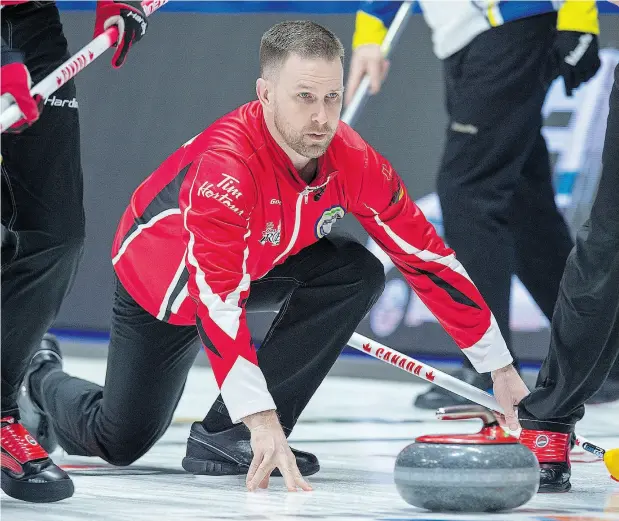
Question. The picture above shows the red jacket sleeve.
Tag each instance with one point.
(398, 226)
(216, 213)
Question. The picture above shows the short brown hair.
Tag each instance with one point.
(302, 37)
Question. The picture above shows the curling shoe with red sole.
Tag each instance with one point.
(552, 450)
(28, 473)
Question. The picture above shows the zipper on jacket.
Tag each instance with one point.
(310, 189)
(297, 223)
(303, 196)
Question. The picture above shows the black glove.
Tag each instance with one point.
(131, 21)
(577, 58)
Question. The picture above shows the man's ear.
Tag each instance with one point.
(264, 93)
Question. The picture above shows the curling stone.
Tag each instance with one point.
(488, 471)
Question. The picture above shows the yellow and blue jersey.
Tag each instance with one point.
(455, 23)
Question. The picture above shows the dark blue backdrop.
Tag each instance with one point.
(323, 6)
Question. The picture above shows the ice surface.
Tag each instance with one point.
(356, 427)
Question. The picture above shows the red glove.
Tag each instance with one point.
(131, 21)
(15, 81)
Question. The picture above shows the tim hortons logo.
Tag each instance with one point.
(76, 65)
(400, 361)
(224, 192)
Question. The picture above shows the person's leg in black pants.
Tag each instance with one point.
(322, 293)
(147, 366)
(327, 289)
(494, 157)
(43, 234)
(42, 208)
(542, 241)
(584, 343)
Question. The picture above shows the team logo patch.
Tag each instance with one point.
(327, 220)
(541, 441)
(271, 234)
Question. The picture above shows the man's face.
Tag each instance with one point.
(307, 103)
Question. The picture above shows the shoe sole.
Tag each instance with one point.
(212, 468)
(47, 492)
(554, 489)
(220, 468)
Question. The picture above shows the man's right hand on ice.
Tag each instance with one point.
(271, 450)
(366, 59)
(509, 389)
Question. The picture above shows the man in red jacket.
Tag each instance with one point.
(42, 214)
(238, 220)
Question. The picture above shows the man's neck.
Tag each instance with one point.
(308, 172)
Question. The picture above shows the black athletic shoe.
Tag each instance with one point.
(552, 450)
(437, 397)
(555, 477)
(34, 419)
(28, 473)
(229, 453)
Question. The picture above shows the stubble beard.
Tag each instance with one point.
(297, 141)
